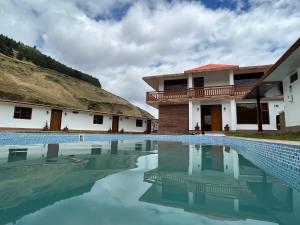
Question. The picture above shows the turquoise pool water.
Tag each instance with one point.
(137, 182)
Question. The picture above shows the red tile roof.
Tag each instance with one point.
(212, 67)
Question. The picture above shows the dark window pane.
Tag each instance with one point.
(139, 123)
(180, 84)
(98, 119)
(247, 113)
(294, 77)
(247, 79)
(22, 113)
(265, 113)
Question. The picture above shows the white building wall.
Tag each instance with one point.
(292, 101)
(74, 121)
(229, 114)
(38, 119)
(161, 85)
(226, 114)
(84, 121)
(196, 114)
(275, 107)
(210, 79)
(232, 115)
(217, 79)
(128, 124)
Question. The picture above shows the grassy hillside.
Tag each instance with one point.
(12, 48)
(21, 81)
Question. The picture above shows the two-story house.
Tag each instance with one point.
(210, 98)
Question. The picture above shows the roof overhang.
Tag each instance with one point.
(260, 90)
(287, 64)
(252, 69)
(153, 81)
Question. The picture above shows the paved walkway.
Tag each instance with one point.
(297, 143)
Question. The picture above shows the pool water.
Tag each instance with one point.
(137, 182)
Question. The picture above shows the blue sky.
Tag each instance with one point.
(120, 41)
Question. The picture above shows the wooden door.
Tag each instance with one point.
(55, 123)
(216, 117)
(115, 124)
(149, 126)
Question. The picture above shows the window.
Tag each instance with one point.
(98, 119)
(247, 113)
(170, 85)
(247, 79)
(293, 77)
(22, 113)
(139, 123)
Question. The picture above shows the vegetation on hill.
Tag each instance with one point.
(11, 48)
(25, 82)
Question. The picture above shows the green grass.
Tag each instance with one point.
(289, 136)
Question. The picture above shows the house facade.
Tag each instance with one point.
(37, 117)
(210, 98)
(286, 71)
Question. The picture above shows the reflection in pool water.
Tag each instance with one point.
(129, 182)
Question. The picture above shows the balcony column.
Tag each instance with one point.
(191, 115)
(233, 114)
(190, 81)
(161, 85)
(231, 77)
(236, 166)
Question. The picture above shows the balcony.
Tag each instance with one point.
(206, 93)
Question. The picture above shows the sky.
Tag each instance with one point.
(121, 41)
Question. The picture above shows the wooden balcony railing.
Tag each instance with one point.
(215, 92)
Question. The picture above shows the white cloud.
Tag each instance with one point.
(174, 36)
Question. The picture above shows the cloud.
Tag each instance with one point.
(120, 41)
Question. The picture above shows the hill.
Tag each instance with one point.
(11, 48)
(26, 82)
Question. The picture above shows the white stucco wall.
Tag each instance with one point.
(226, 114)
(196, 114)
(229, 114)
(128, 124)
(216, 79)
(275, 107)
(210, 79)
(292, 117)
(38, 119)
(84, 121)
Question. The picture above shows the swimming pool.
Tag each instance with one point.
(146, 179)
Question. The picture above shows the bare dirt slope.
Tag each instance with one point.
(21, 81)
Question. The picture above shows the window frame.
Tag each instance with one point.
(98, 119)
(21, 114)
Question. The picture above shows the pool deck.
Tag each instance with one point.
(296, 143)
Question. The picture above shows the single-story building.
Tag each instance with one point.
(284, 73)
(37, 117)
(33, 98)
